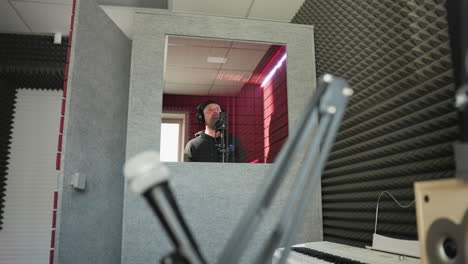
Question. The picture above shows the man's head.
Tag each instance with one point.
(208, 113)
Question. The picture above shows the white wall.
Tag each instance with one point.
(31, 178)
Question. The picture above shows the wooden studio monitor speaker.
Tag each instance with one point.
(442, 219)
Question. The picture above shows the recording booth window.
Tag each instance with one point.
(246, 79)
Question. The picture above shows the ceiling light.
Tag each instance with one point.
(216, 60)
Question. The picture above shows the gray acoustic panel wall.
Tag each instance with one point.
(7, 101)
(213, 196)
(401, 122)
(212, 200)
(32, 61)
(90, 221)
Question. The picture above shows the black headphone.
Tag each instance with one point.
(199, 115)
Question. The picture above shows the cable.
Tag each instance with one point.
(394, 199)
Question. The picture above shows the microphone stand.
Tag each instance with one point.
(223, 148)
(222, 126)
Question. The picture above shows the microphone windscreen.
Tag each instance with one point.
(145, 170)
(223, 116)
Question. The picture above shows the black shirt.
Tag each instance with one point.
(205, 148)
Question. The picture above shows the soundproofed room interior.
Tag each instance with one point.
(250, 132)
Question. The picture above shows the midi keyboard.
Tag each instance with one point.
(324, 252)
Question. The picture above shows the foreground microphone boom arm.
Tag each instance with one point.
(147, 176)
(311, 142)
(319, 126)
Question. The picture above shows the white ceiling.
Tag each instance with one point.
(35, 16)
(275, 10)
(189, 72)
(279, 10)
(53, 16)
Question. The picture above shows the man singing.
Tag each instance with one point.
(207, 145)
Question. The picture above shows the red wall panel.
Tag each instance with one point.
(275, 111)
(245, 115)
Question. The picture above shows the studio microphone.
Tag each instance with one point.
(147, 176)
(222, 123)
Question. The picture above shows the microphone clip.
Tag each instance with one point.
(221, 125)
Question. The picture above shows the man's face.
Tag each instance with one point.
(211, 113)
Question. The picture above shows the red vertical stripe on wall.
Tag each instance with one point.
(55, 200)
(54, 218)
(60, 136)
(51, 257)
(52, 239)
(59, 145)
(57, 161)
(62, 111)
(67, 65)
(65, 85)
(70, 37)
(72, 18)
(68, 55)
(61, 124)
